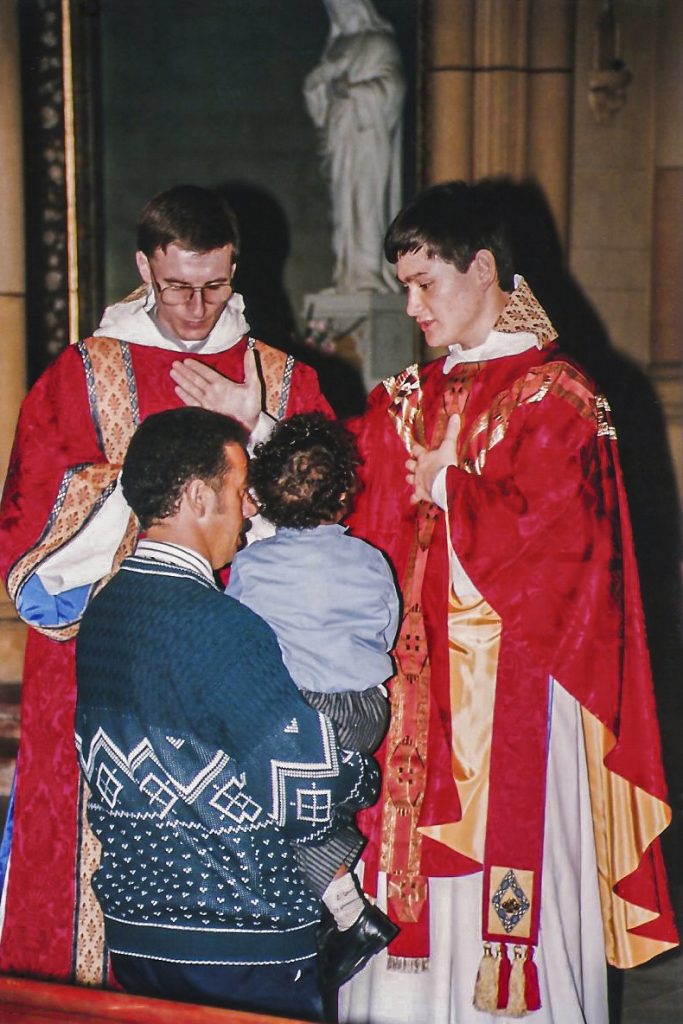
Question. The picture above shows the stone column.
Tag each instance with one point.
(498, 93)
(449, 57)
(12, 286)
(666, 348)
(550, 100)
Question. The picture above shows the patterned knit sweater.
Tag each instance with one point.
(205, 765)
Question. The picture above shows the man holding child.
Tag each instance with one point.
(206, 767)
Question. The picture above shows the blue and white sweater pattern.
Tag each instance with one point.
(200, 781)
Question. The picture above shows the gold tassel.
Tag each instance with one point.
(516, 1001)
(486, 985)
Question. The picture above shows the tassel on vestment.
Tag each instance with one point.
(507, 988)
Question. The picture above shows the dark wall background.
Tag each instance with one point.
(210, 92)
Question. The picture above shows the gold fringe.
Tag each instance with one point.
(408, 964)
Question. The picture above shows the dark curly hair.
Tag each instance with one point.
(167, 451)
(305, 473)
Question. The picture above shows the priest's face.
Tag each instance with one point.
(191, 288)
(448, 306)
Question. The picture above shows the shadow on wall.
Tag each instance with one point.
(265, 247)
(645, 459)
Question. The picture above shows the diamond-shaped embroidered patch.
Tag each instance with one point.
(510, 901)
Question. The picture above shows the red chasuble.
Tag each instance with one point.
(52, 927)
(538, 519)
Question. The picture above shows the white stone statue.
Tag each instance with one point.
(355, 98)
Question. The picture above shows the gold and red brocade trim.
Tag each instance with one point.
(405, 405)
(89, 953)
(405, 764)
(404, 775)
(112, 394)
(524, 314)
(84, 489)
(276, 368)
(556, 378)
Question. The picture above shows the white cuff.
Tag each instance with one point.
(262, 430)
(90, 555)
(460, 581)
(439, 489)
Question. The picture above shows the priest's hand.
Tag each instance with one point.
(199, 384)
(425, 465)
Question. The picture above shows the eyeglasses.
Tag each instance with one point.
(181, 294)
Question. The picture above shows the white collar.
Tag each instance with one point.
(496, 345)
(175, 554)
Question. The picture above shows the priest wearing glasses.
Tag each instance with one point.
(65, 528)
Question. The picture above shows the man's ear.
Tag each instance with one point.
(196, 496)
(142, 264)
(484, 264)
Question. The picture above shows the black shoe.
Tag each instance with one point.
(341, 954)
(325, 929)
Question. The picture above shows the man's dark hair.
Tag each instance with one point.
(305, 473)
(167, 451)
(196, 219)
(452, 222)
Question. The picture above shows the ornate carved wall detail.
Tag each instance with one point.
(610, 78)
(47, 228)
(46, 241)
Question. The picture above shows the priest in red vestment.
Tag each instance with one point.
(65, 527)
(516, 838)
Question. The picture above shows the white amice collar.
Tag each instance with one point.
(521, 310)
(496, 346)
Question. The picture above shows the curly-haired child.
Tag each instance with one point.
(332, 602)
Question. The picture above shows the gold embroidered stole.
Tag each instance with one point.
(405, 765)
(276, 369)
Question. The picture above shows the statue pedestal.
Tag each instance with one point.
(370, 330)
